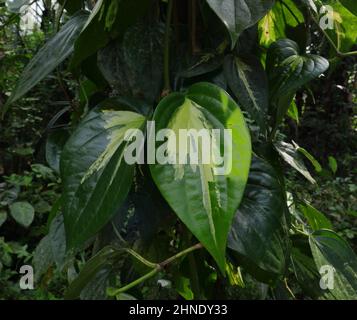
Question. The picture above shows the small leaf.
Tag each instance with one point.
(290, 155)
(23, 213)
(332, 162)
(316, 219)
(336, 262)
(309, 156)
(238, 15)
(96, 178)
(204, 200)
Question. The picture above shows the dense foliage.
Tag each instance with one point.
(279, 74)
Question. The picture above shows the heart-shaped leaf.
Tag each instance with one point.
(203, 198)
(257, 233)
(288, 71)
(96, 177)
(336, 262)
(238, 15)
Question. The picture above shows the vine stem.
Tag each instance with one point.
(157, 267)
(338, 52)
(167, 86)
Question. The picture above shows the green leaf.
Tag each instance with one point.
(282, 21)
(95, 34)
(291, 156)
(102, 260)
(288, 71)
(344, 27)
(54, 145)
(133, 66)
(23, 213)
(332, 162)
(203, 200)
(351, 5)
(3, 217)
(57, 237)
(43, 257)
(306, 274)
(183, 287)
(309, 156)
(248, 82)
(293, 111)
(54, 52)
(315, 218)
(256, 233)
(329, 249)
(238, 15)
(96, 178)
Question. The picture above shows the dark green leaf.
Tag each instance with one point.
(43, 257)
(49, 57)
(351, 5)
(248, 82)
(96, 178)
(238, 15)
(203, 200)
(57, 237)
(288, 71)
(257, 233)
(316, 219)
(54, 145)
(331, 251)
(102, 260)
(134, 65)
(96, 34)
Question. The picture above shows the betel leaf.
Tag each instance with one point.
(238, 15)
(203, 198)
(284, 20)
(23, 213)
(96, 34)
(315, 218)
(134, 65)
(249, 83)
(342, 30)
(288, 70)
(336, 262)
(256, 234)
(96, 177)
(54, 145)
(102, 260)
(55, 51)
